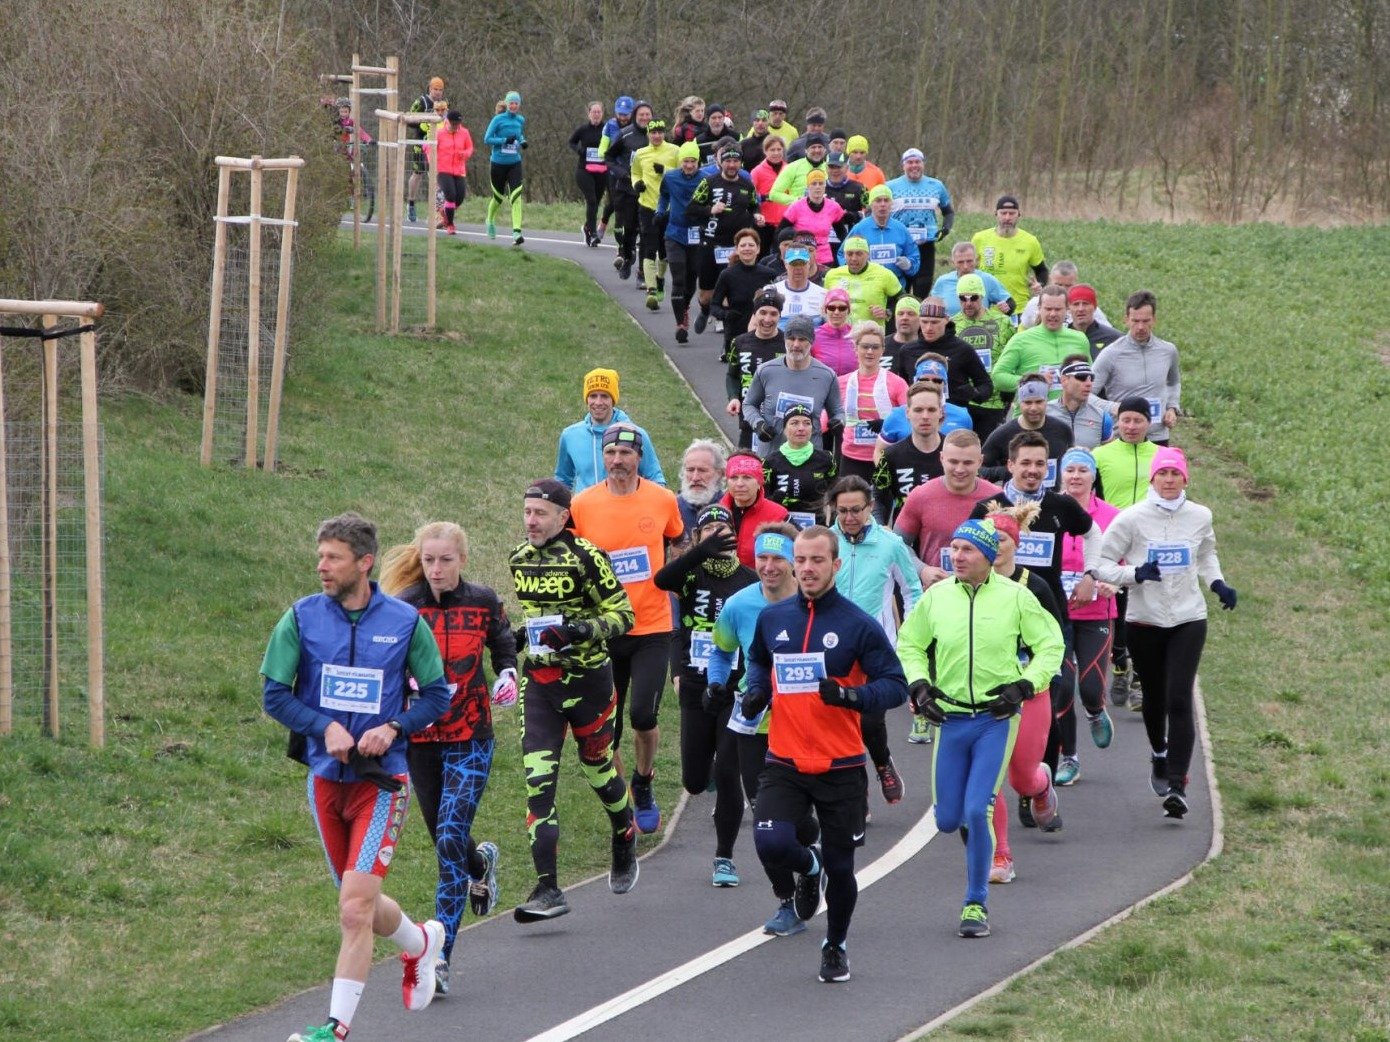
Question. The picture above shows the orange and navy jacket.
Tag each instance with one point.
(806, 733)
(465, 621)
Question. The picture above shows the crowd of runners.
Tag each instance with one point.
(954, 491)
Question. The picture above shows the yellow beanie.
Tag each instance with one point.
(858, 143)
(605, 380)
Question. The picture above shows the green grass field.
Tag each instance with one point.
(185, 842)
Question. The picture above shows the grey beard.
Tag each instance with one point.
(700, 499)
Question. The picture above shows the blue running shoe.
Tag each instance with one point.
(784, 923)
(725, 874)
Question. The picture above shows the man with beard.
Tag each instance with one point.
(986, 329)
(702, 473)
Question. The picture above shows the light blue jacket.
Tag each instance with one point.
(579, 462)
(872, 567)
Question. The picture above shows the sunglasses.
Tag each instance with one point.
(969, 296)
(1086, 378)
(836, 307)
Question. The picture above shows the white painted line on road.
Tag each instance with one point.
(1218, 842)
(502, 240)
(895, 857)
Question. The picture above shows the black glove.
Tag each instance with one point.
(716, 545)
(565, 634)
(1227, 595)
(1007, 699)
(832, 693)
(369, 768)
(874, 425)
(763, 430)
(524, 144)
(923, 697)
(510, 141)
(754, 702)
(660, 168)
(716, 698)
(834, 427)
(1146, 573)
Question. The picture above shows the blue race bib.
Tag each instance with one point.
(633, 565)
(350, 689)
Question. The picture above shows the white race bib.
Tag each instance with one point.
(1050, 480)
(863, 434)
(701, 647)
(883, 253)
(1035, 549)
(1155, 409)
(1069, 581)
(632, 565)
(591, 156)
(1171, 557)
(985, 359)
(722, 254)
(918, 233)
(535, 627)
(800, 519)
(510, 150)
(946, 565)
(799, 674)
(692, 236)
(736, 721)
(350, 689)
(785, 400)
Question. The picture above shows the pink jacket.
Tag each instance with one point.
(763, 176)
(1073, 560)
(455, 150)
(834, 347)
(805, 219)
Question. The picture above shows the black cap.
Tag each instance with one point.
(455, 116)
(1010, 201)
(1134, 403)
(817, 138)
(621, 434)
(549, 490)
(715, 512)
(836, 159)
(712, 109)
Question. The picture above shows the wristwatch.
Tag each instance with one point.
(396, 725)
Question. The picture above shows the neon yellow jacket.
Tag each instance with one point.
(646, 178)
(875, 286)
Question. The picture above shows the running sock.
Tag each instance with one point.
(661, 269)
(342, 1005)
(549, 879)
(477, 866)
(408, 937)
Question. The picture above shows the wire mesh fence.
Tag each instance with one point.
(234, 354)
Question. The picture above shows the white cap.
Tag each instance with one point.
(913, 153)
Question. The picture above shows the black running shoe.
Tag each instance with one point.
(1175, 803)
(806, 899)
(545, 902)
(1025, 813)
(1158, 774)
(834, 963)
(622, 877)
(701, 321)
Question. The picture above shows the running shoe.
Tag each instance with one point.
(718, 326)
(725, 874)
(701, 321)
(1135, 702)
(1158, 774)
(682, 335)
(599, 234)
(653, 301)
(625, 269)
(1068, 770)
(618, 262)
(891, 782)
(806, 899)
(921, 733)
(449, 229)
(784, 923)
(622, 876)
(545, 902)
(491, 230)
(441, 978)
(1025, 813)
(517, 237)
(1175, 802)
(410, 212)
(974, 921)
(483, 892)
(1055, 825)
(323, 1033)
(647, 813)
(1002, 870)
(1045, 803)
(1102, 729)
(834, 963)
(1119, 685)
(417, 971)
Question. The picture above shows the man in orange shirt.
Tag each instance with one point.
(634, 520)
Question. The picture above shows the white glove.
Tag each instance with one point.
(504, 689)
(903, 263)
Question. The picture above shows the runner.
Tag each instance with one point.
(1042, 348)
(879, 574)
(618, 153)
(914, 460)
(863, 171)
(972, 685)
(738, 285)
(1010, 254)
(965, 261)
(764, 175)
(890, 242)
(618, 164)
(634, 520)
(682, 243)
(450, 760)
(1089, 417)
(797, 474)
(923, 204)
(722, 204)
(794, 378)
(869, 394)
(416, 133)
(649, 166)
(1031, 394)
(455, 146)
(506, 133)
(572, 604)
(1087, 672)
(1140, 363)
(986, 330)
(579, 461)
(747, 502)
(1172, 538)
(833, 344)
(801, 297)
(591, 175)
(702, 479)
(821, 216)
(335, 674)
(815, 755)
(749, 350)
(872, 288)
(704, 578)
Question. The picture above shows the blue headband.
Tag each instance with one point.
(1077, 455)
(981, 535)
(932, 368)
(773, 543)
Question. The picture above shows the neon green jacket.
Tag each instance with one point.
(791, 182)
(1037, 350)
(974, 635)
(649, 165)
(875, 286)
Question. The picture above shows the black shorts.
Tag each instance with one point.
(839, 796)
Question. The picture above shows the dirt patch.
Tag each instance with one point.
(1254, 491)
(1382, 348)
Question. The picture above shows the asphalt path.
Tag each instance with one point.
(676, 956)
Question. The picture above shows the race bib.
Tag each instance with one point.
(946, 560)
(801, 519)
(1155, 409)
(1051, 479)
(785, 400)
(1171, 557)
(535, 627)
(918, 233)
(863, 434)
(799, 674)
(692, 236)
(509, 150)
(1054, 376)
(832, 237)
(985, 359)
(1035, 549)
(884, 253)
(701, 648)
(350, 689)
(633, 565)
(1069, 581)
(738, 724)
(591, 156)
(722, 254)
